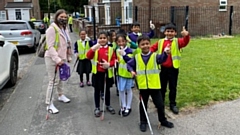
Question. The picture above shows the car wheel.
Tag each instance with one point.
(13, 72)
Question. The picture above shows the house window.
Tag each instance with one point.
(3, 15)
(18, 0)
(222, 5)
(18, 14)
(130, 9)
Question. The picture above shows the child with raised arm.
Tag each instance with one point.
(102, 72)
(124, 84)
(144, 67)
(170, 68)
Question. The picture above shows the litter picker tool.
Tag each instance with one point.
(49, 110)
(73, 68)
(145, 111)
(120, 103)
(102, 116)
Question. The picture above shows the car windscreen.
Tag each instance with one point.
(13, 26)
(37, 23)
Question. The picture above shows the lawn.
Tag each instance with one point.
(208, 72)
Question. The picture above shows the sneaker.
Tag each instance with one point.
(167, 124)
(89, 83)
(81, 84)
(110, 109)
(143, 127)
(97, 112)
(127, 112)
(64, 99)
(174, 109)
(52, 109)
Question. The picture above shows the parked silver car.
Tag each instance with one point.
(21, 33)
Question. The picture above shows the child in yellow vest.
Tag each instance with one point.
(144, 67)
(124, 84)
(81, 47)
(102, 72)
(170, 68)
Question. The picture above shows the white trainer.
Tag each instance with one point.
(64, 99)
(52, 109)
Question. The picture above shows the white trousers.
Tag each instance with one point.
(58, 84)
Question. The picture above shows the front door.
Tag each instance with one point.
(25, 14)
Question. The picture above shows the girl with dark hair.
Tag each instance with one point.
(103, 59)
(81, 47)
(124, 84)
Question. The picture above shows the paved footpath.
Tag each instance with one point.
(25, 111)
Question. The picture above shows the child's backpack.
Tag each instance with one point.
(42, 47)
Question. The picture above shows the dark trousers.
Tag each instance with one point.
(158, 102)
(169, 76)
(99, 81)
(70, 27)
(81, 77)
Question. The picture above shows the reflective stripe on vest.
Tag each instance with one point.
(95, 61)
(56, 39)
(175, 52)
(147, 74)
(122, 67)
(82, 49)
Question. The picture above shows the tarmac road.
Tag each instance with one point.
(25, 111)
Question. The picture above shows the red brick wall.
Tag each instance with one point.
(204, 17)
(2, 4)
(167, 3)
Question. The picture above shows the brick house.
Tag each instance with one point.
(205, 17)
(19, 9)
(202, 17)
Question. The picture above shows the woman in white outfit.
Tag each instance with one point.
(57, 56)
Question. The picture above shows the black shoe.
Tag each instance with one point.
(121, 112)
(167, 124)
(127, 112)
(143, 127)
(97, 112)
(110, 109)
(174, 109)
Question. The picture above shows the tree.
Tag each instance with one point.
(72, 5)
(54, 5)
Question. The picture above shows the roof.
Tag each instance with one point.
(19, 5)
(13, 21)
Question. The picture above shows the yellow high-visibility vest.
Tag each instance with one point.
(56, 39)
(175, 52)
(122, 66)
(95, 61)
(45, 20)
(82, 49)
(33, 19)
(70, 20)
(147, 74)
